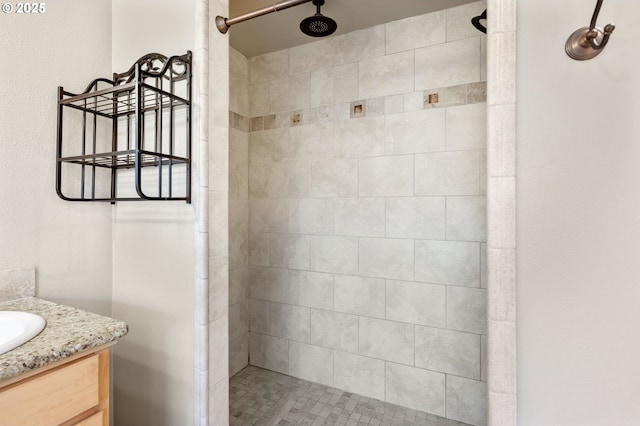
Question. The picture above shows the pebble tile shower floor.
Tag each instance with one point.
(265, 398)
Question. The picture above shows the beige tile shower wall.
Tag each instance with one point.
(238, 211)
(367, 212)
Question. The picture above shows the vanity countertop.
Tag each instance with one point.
(68, 331)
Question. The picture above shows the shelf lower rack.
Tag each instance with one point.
(125, 159)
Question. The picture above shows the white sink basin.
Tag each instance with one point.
(17, 328)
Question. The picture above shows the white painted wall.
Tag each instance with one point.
(578, 218)
(153, 255)
(68, 243)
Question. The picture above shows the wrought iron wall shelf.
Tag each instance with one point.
(129, 138)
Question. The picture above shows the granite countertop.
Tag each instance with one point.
(68, 331)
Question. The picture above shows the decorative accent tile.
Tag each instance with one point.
(358, 109)
(257, 123)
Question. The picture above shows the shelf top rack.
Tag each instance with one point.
(154, 73)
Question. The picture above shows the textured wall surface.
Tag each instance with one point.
(578, 240)
(367, 212)
(68, 243)
(238, 211)
(153, 254)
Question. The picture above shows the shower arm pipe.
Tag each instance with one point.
(223, 24)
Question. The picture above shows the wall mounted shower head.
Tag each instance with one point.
(318, 25)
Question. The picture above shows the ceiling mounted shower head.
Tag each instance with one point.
(480, 22)
(318, 25)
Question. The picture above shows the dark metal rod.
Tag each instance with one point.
(59, 145)
(139, 124)
(223, 24)
(188, 111)
(114, 141)
(93, 147)
(171, 89)
(84, 145)
(159, 134)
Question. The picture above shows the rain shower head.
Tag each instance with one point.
(318, 25)
(480, 22)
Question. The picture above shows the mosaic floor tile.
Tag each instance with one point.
(265, 398)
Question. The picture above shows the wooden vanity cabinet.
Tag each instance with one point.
(71, 392)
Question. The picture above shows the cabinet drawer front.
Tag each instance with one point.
(95, 420)
(54, 396)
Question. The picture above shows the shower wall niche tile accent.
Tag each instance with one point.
(360, 261)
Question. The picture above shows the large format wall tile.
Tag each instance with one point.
(380, 176)
(268, 215)
(311, 56)
(358, 45)
(269, 284)
(416, 217)
(415, 388)
(335, 85)
(258, 249)
(359, 295)
(311, 142)
(311, 216)
(334, 178)
(290, 93)
(259, 99)
(448, 173)
(415, 131)
(238, 285)
(290, 322)
(467, 309)
(388, 340)
(259, 316)
(238, 354)
(238, 319)
(448, 64)
(238, 233)
(362, 137)
(467, 127)
(467, 218)
(458, 20)
(269, 146)
(334, 330)
(313, 363)
(466, 400)
(387, 258)
(311, 289)
(359, 374)
(238, 164)
(396, 70)
(269, 352)
(269, 66)
(416, 303)
(415, 32)
(334, 254)
(289, 251)
(363, 217)
(448, 351)
(268, 181)
(448, 262)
